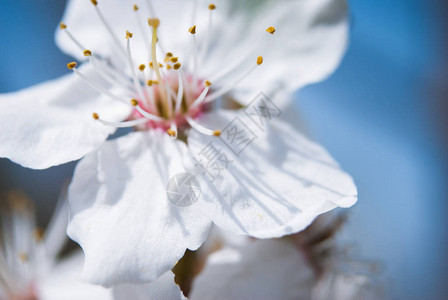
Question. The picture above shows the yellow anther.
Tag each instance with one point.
(171, 132)
(259, 60)
(62, 25)
(87, 52)
(174, 59)
(177, 66)
(135, 7)
(271, 29)
(154, 22)
(95, 116)
(217, 132)
(142, 67)
(211, 6)
(169, 54)
(192, 29)
(38, 234)
(151, 82)
(71, 65)
(151, 65)
(94, 2)
(208, 83)
(160, 65)
(23, 257)
(18, 201)
(129, 34)
(168, 67)
(134, 102)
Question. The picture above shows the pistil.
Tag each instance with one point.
(154, 23)
(159, 103)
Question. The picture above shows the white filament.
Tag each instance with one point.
(208, 37)
(195, 59)
(108, 77)
(173, 127)
(137, 85)
(201, 98)
(124, 124)
(227, 88)
(77, 43)
(180, 91)
(198, 127)
(147, 114)
(99, 88)
(110, 31)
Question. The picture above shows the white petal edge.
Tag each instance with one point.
(263, 269)
(120, 214)
(51, 123)
(277, 185)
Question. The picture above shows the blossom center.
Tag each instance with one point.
(163, 93)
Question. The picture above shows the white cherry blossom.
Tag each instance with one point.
(167, 69)
(51, 123)
(278, 269)
(29, 267)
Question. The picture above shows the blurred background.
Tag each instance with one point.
(382, 114)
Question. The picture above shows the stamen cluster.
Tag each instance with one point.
(163, 95)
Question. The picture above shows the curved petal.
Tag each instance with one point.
(269, 180)
(263, 269)
(163, 288)
(51, 123)
(120, 213)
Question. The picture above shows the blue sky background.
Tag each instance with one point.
(381, 115)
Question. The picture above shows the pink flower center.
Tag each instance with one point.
(165, 95)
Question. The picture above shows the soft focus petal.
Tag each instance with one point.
(276, 185)
(163, 288)
(51, 123)
(63, 283)
(120, 213)
(263, 269)
(345, 286)
(55, 232)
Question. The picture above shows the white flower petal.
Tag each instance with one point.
(63, 283)
(345, 286)
(163, 288)
(55, 232)
(51, 123)
(120, 215)
(277, 185)
(263, 269)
